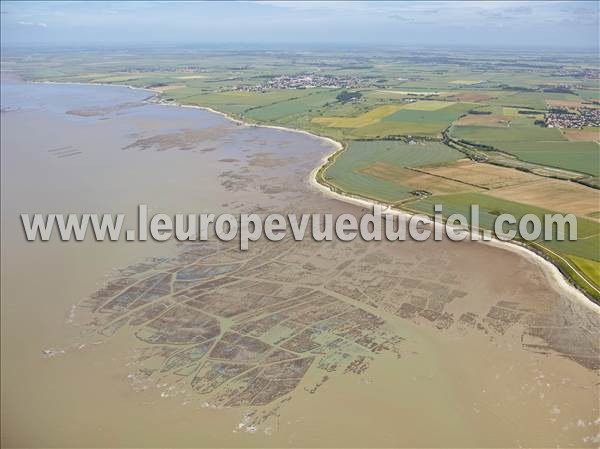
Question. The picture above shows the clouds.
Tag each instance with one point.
(34, 24)
(456, 12)
(436, 23)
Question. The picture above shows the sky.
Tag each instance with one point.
(498, 24)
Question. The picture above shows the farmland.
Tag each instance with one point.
(280, 110)
(415, 179)
(348, 173)
(513, 134)
(566, 196)
(585, 134)
(364, 119)
(485, 176)
(587, 246)
(583, 157)
(418, 127)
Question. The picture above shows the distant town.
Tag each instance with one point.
(305, 81)
(562, 118)
(583, 73)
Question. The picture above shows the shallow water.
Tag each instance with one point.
(461, 344)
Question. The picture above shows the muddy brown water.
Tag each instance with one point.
(399, 344)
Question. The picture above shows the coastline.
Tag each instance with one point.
(552, 272)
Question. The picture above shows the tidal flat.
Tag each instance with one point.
(200, 344)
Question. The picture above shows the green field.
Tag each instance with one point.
(260, 106)
(531, 143)
(446, 114)
(302, 105)
(583, 157)
(487, 135)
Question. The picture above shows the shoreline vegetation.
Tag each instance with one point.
(559, 270)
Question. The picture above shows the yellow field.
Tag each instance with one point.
(368, 118)
(553, 194)
(428, 105)
(415, 179)
(591, 268)
(479, 174)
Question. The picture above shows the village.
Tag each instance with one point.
(305, 81)
(562, 118)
